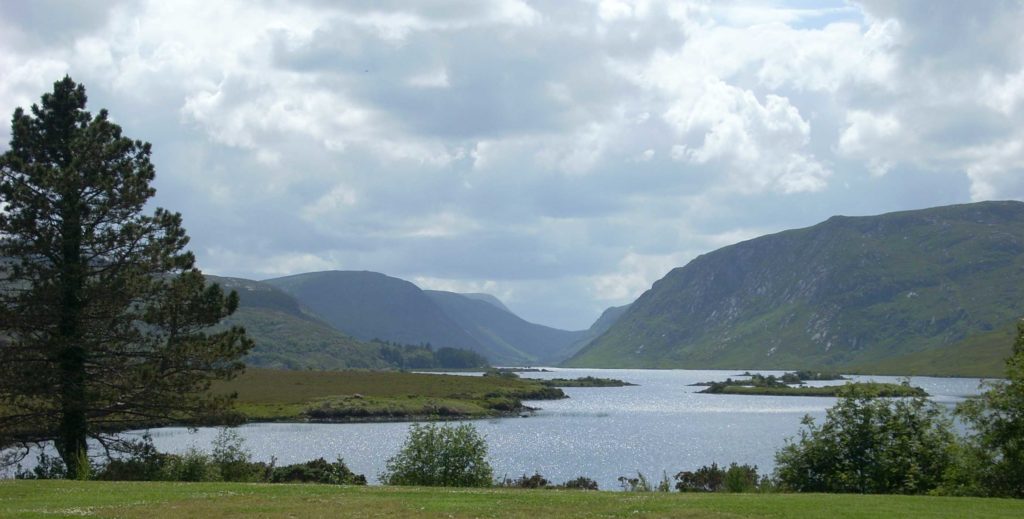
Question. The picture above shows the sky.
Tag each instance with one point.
(560, 155)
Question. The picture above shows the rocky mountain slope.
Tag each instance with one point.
(927, 291)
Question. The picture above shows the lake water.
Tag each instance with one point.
(661, 425)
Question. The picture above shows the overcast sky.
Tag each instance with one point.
(560, 155)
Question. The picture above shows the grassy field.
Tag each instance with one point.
(158, 500)
(273, 395)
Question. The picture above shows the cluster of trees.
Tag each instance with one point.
(907, 446)
(407, 356)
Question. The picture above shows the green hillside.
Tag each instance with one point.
(368, 305)
(289, 336)
(931, 291)
(502, 331)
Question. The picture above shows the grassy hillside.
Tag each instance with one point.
(927, 291)
(289, 336)
(368, 305)
(157, 500)
(502, 331)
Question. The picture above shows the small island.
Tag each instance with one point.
(367, 396)
(784, 386)
(586, 382)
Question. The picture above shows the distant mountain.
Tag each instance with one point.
(601, 325)
(487, 298)
(502, 331)
(369, 305)
(289, 336)
(934, 291)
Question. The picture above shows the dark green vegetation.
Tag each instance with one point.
(158, 500)
(758, 384)
(442, 456)
(352, 396)
(586, 382)
(934, 291)
(229, 461)
(105, 318)
(992, 460)
(368, 305)
(875, 389)
(870, 446)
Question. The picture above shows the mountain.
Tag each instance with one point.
(290, 336)
(502, 331)
(488, 298)
(934, 291)
(369, 305)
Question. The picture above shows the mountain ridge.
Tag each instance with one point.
(847, 293)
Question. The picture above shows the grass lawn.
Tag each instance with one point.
(157, 500)
(279, 395)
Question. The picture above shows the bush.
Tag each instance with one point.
(991, 461)
(704, 479)
(192, 466)
(524, 481)
(580, 483)
(870, 445)
(318, 471)
(440, 456)
(234, 461)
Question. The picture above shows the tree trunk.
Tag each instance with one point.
(73, 428)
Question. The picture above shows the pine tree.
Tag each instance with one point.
(105, 322)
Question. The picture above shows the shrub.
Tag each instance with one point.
(450, 456)
(524, 481)
(740, 478)
(704, 479)
(191, 466)
(637, 484)
(991, 461)
(870, 445)
(233, 460)
(580, 483)
(318, 471)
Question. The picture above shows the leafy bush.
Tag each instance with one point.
(637, 484)
(192, 466)
(580, 483)
(440, 456)
(991, 461)
(233, 460)
(870, 445)
(317, 471)
(704, 479)
(524, 481)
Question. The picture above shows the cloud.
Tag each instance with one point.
(564, 154)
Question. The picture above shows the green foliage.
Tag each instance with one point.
(580, 483)
(870, 445)
(449, 456)
(537, 481)
(638, 484)
(317, 471)
(993, 457)
(105, 318)
(737, 478)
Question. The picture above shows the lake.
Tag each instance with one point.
(661, 425)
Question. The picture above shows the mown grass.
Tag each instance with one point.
(278, 395)
(159, 500)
